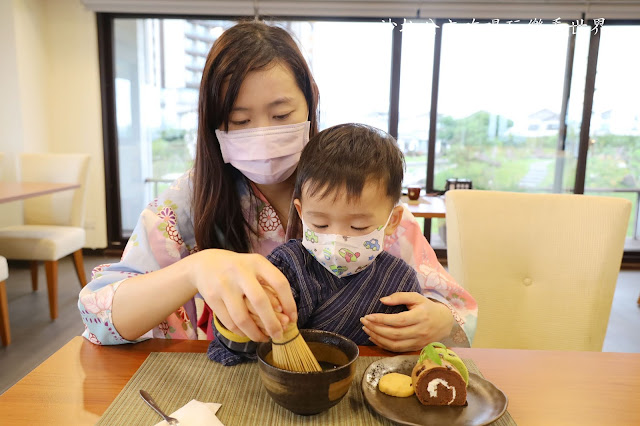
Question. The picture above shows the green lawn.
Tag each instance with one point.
(503, 168)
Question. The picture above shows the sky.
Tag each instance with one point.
(511, 70)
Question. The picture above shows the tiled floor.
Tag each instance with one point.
(36, 337)
(623, 333)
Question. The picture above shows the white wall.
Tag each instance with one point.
(10, 117)
(74, 101)
(11, 134)
(33, 82)
(51, 92)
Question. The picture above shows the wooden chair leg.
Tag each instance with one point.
(79, 264)
(51, 267)
(5, 331)
(34, 275)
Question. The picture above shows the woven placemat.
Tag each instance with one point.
(173, 379)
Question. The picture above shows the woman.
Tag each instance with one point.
(200, 247)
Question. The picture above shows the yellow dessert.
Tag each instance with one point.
(396, 384)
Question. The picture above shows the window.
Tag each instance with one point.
(158, 66)
(499, 105)
(351, 63)
(503, 101)
(416, 75)
(613, 162)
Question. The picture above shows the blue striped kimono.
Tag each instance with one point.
(326, 302)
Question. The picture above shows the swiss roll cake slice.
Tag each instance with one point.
(437, 381)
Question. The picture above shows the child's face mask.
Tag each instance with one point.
(343, 255)
(265, 155)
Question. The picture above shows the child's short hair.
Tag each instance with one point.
(347, 155)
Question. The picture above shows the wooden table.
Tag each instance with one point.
(427, 207)
(14, 191)
(78, 382)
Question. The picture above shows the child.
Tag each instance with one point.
(347, 190)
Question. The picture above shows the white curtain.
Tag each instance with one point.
(425, 9)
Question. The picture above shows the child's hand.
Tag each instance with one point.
(425, 321)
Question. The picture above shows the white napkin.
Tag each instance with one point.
(196, 413)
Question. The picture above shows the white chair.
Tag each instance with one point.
(53, 224)
(5, 331)
(542, 267)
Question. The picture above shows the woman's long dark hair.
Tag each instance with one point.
(245, 47)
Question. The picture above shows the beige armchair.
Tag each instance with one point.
(542, 267)
(53, 224)
(5, 331)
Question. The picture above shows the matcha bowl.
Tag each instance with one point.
(311, 393)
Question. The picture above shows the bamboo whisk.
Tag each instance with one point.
(292, 352)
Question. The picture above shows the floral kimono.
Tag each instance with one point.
(164, 234)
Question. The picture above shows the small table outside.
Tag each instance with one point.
(14, 191)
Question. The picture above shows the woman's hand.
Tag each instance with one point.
(273, 297)
(232, 282)
(425, 321)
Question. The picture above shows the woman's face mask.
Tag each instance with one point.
(265, 155)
